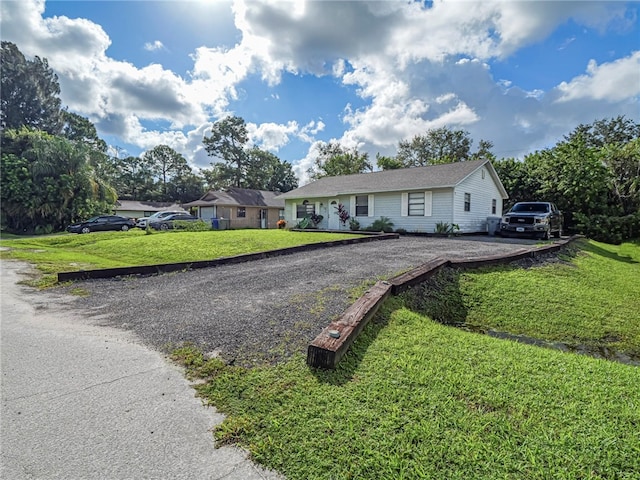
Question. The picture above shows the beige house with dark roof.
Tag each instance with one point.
(415, 199)
(239, 208)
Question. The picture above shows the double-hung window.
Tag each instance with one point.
(362, 205)
(467, 202)
(242, 212)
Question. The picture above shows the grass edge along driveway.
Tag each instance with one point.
(417, 399)
(65, 252)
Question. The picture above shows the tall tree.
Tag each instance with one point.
(47, 182)
(265, 171)
(613, 131)
(617, 141)
(219, 176)
(29, 92)
(388, 163)
(440, 145)
(165, 164)
(185, 187)
(227, 142)
(623, 163)
(80, 129)
(133, 178)
(333, 159)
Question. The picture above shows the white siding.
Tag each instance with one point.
(394, 206)
(482, 191)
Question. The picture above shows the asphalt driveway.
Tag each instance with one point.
(267, 309)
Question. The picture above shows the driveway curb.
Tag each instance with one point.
(176, 267)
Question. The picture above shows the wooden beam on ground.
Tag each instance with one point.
(333, 342)
(418, 275)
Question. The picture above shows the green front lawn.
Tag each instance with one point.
(66, 252)
(417, 399)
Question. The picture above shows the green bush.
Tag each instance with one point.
(188, 226)
(354, 224)
(383, 224)
(609, 229)
(444, 228)
(44, 229)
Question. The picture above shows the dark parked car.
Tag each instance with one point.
(538, 219)
(167, 223)
(102, 223)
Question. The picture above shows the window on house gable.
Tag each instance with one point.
(242, 212)
(467, 202)
(494, 204)
(362, 205)
(416, 204)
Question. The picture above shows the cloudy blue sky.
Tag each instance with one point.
(521, 74)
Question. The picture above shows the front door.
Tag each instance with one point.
(263, 218)
(332, 213)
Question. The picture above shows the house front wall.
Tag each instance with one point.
(253, 216)
(482, 192)
(393, 205)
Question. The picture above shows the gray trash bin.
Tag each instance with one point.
(493, 225)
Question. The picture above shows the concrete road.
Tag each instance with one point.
(87, 402)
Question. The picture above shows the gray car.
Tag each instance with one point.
(167, 223)
(156, 217)
(536, 219)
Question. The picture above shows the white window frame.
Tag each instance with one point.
(427, 207)
(353, 206)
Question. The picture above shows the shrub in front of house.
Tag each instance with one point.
(383, 224)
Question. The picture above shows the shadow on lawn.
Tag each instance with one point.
(590, 247)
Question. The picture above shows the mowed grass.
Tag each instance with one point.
(417, 399)
(66, 252)
(593, 300)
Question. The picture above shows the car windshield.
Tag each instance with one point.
(531, 207)
(162, 214)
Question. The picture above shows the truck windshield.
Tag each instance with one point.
(531, 207)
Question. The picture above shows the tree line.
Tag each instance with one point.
(55, 168)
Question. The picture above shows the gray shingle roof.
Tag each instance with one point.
(142, 206)
(241, 197)
(432, 176)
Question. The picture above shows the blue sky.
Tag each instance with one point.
(367, 74)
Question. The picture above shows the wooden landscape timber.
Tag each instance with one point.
(329, 347)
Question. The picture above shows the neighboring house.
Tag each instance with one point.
(416, 199)
(139, 209)
(240, 208)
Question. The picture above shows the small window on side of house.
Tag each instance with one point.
(242, 212)
(362, 205)
(416, 204)
(494, 204)
(467, 202)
